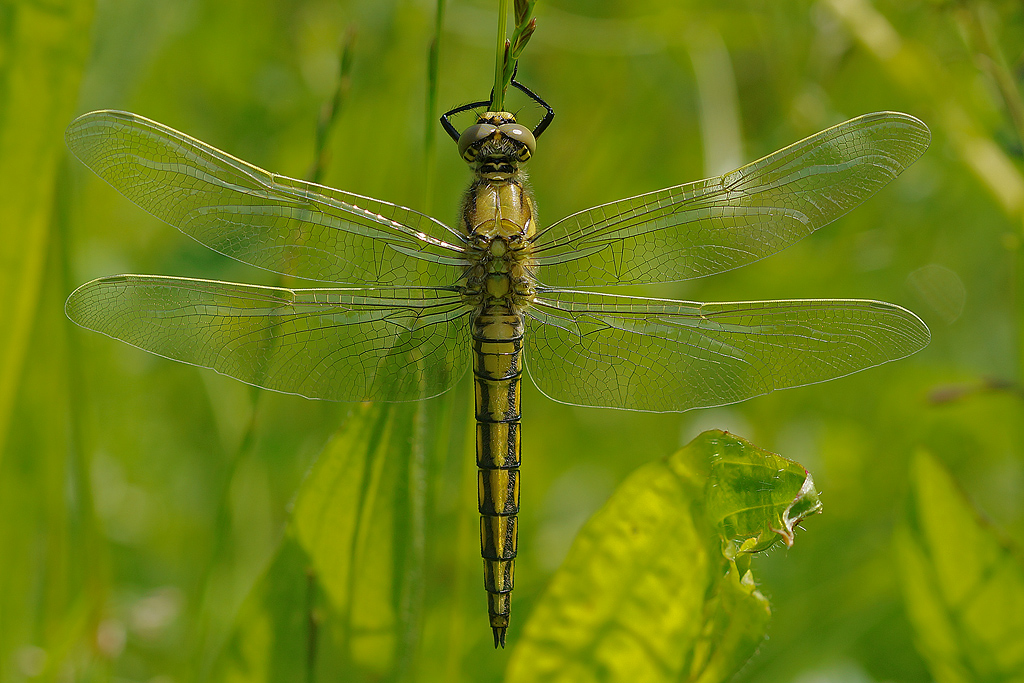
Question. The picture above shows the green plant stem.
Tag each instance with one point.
(95, 558)
(996, 65)
(430, 125)
(980, 24)
(498, 100)
(312, 625)
(525, 26)
(326, 124)
(331, 109)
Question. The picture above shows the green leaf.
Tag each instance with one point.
(755, 498)
(963, 585)
(351, 524)
(349, 516)
(646, 592)
(349, 577)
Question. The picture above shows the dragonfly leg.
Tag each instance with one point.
(549, 114)
(446, 123)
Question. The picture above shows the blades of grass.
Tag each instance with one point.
(326, 123)
(646, 592)
(465, 538)
(911, 66)
(411, 523)
(45, 48)
(48, 589)
(309, 592)
(362, 523)
(963, 584)
(332, 108)
(52, 598)
(343, 517)
(721, 130)
(272, 640)
(978, 20)
(430, 124)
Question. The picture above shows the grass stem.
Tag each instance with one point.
(498, 98)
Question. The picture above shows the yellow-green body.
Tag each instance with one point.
(498, 217)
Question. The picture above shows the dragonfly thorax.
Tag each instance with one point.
(498, 219)
(501, 273)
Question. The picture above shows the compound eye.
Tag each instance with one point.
(522, 135)
(471, 136)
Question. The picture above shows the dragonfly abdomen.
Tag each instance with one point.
(497, 373)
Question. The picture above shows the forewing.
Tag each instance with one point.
(714, 225)
(652, 354)
(335, 344)
(271, 221)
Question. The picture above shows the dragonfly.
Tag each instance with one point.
(408, 304)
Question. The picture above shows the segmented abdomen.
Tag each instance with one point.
(497, 370)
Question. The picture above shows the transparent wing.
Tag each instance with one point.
(715, 225)
(281, 224)
(659, 355)
(335, 344)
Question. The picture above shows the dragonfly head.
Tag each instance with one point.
(497, 142)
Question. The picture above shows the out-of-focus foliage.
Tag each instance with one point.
(343, 598)
(646, 592)
(964, 585)
(47, 541)
(46, 45)
(142, 500)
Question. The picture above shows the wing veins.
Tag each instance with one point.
(657, 354)
(714, 225)
(244, 212)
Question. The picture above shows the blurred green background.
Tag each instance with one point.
(141, 499)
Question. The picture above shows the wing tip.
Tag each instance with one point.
(924, 133)
(78, 131)
(83, 120)
(915, 329)
(73, 305)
